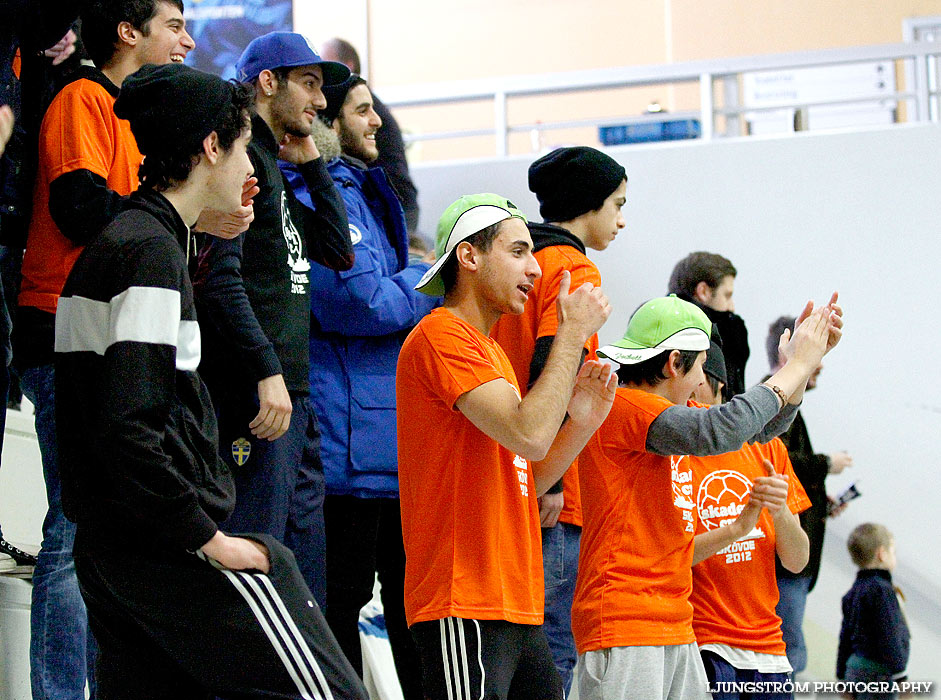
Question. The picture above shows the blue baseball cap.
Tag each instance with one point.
(285, 50)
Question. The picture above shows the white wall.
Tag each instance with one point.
(799, 217)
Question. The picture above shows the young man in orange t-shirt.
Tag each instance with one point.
(631, 617)
(734, 589)
(474, 456)
(580, 191)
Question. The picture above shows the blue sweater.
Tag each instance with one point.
(873, 625)
(359, 320)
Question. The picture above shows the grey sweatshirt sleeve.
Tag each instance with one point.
(684, 430)
(779, 424)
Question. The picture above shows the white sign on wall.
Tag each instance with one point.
(871, 83)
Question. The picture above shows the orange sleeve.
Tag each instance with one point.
(582, 271)
(76, 132)
(629, 429)
(455, 362)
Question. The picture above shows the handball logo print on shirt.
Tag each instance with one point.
(722, 496)
(296, 262)
(683, 490)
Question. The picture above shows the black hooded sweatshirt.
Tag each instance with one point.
(136, 430)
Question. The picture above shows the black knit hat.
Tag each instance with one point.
(569, 182)
(714, 365)
(336, 96)
(172, 104)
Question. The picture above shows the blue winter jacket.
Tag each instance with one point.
(359, 320)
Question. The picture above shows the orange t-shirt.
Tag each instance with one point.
(470, 521)
(518, 334)
(634, 573)
(735, 591)
(79, 132)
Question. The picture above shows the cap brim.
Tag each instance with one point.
(628, 356)
(334, 73)
(476, 218)
(627, 352)
(431, 282)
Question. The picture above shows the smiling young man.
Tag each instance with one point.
(389, 140)
(474, 456)
(359, 321)
(581, 192)
(88, 161)
(357, 122)
(179, 608)
(254, 298)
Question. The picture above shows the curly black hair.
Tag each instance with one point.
(161, 170)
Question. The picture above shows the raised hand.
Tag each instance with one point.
(298, 149)
(229, 225)
(249, 189)
(586, 308)
(770, 491)
(834, 313)
(62, 49)
(836, 322)
(808, 344)
(593, 395)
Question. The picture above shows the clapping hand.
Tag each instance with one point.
(593, 394)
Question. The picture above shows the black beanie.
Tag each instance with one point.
(336, 96)
(714, 365)
(172, 104)
(569, 182)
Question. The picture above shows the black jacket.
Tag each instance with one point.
(30, 26)
(253, 291)
(811, 469)
(136, 430)
(734, 340)
(874, 627)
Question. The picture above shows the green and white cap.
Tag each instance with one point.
(664, 323)
(465, 217)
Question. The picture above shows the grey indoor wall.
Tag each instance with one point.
(801, 216)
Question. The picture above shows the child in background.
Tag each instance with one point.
(874, 637)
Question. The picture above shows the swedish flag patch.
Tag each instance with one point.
(241, 449)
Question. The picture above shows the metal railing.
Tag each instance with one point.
(726, 73)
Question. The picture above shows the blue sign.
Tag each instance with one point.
(223, 28)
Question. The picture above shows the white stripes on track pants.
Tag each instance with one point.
(458, 662)
(286, 639)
